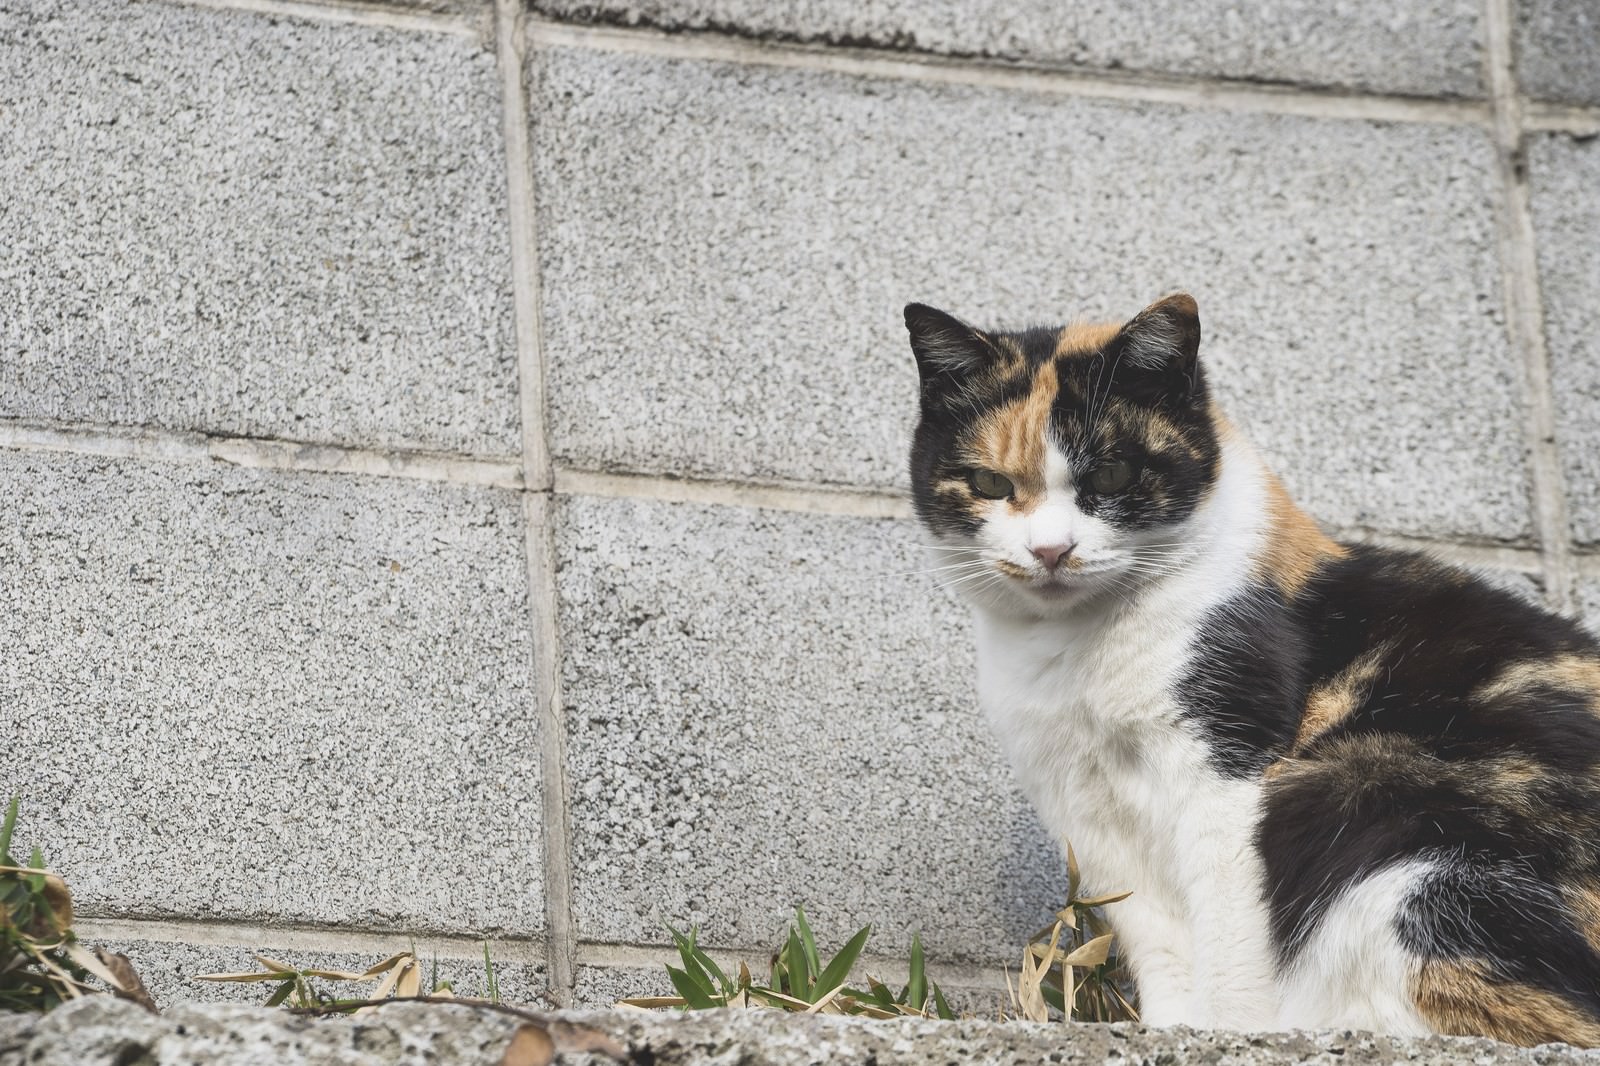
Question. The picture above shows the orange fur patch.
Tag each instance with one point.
(1085, 338)
(1578, 673)
(1338, 698)
(1010, 439)
(1583, 900)
(1296, 546)
(1459, 999)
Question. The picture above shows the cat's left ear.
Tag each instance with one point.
(1161, 344)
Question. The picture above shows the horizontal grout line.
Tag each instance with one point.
(506, 473)
(260, 938)
(304, 938)
(1215, 94)
(1496, 556)
(779, 496)
(1561, 118)
(384, 16)
(258, 453)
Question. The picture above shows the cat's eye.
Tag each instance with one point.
(990, 485)
(1111, 478)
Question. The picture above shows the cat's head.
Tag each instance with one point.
(1057, 467)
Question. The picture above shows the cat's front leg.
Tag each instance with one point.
(1235, 971)
(1155, 940)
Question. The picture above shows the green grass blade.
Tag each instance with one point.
(940, 1007)
(917, 985)
(809, 942)
(694, 961)
(281, 994)
(489, 978)
(7, 828)
(839, 968)
(799, 974)
(693, 995)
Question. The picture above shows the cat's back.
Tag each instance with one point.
(1450, 732)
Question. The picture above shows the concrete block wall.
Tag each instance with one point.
(451, 454)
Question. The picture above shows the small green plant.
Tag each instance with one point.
(1070, 965)
(798, 980)
(397, 977)
(42, 965)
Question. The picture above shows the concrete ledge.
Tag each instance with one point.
(102, 1030)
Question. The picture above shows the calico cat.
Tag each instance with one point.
(1348, 786)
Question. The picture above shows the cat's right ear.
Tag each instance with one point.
(947, 349)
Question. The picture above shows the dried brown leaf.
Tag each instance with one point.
(129, 985)
(1093, 953)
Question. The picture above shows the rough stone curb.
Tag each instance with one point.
(100, 1030)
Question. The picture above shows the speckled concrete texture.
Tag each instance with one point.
(1589, 602)
(104, 1032)
(601, 986)
(252, 224)
(270, 696)
(1429, 48)
(1345, 272)
(1558, 49)
(169, 968)
(768, 709)
(1565, 177)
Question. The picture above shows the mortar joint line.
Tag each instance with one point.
(358, 13)
(878, 61)
(539, 482)
(1519, 266)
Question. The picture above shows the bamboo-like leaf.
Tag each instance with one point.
(1102, 901)
(796, 963)
(410, 983)
(379, 968)
(693, 966)
(807, 941)
(281, 993)
(391, 977)
(917, 984)
(695, 996)
(1030, 1001)
(1072, 873)
(255, 975)
(823, 1003)
(1094, 953)
(83, 957)
(941, 1008)
(839, 966)
(779, 999)
(274, 964)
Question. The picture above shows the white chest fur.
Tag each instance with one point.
(1085, 710)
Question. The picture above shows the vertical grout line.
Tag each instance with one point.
(538, 479)
(1519, 264)
(509, 47)
(560, 927)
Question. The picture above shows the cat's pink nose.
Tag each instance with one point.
(1052, 555)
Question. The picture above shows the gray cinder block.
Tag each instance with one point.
(217, 220)
(1558, 50)
(235, 694)
(767, 709)
(1565, 176)
(1431, 48)
(1345, 271)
